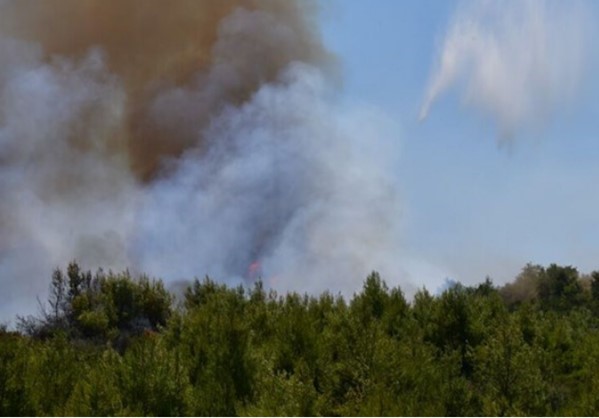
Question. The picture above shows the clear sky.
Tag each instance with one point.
(475, 203)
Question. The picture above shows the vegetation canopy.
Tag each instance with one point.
(113, 344)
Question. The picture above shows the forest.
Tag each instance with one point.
(114, 344)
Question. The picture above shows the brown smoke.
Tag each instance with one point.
(156, 47)
(182, 138)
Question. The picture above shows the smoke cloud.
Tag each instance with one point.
(291, 182)
(516, 61)
(198, 138)
(178, 64)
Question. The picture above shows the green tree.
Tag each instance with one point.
(507, 371)
(560, 288)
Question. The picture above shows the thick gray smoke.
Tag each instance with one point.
(291, 183)
(238, 164)
(515, 61)
(60, 200)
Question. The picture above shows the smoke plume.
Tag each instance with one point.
(181, 140)
(516, 61)
(178, 64)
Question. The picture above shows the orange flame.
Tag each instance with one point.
(254, 269)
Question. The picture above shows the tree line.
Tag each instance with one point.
(113, 344)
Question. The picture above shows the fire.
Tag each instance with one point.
(254, 269)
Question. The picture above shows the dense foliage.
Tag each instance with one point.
(110, 344)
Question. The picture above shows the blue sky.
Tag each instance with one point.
(466, 130)
(474, 204)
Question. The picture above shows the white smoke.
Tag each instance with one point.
(288, 179)
(61, 198)
(516, 60)
(291, 182)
